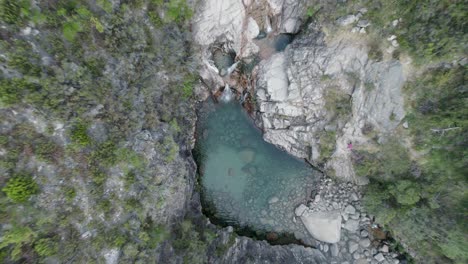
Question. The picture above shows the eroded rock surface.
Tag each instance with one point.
(319, 86)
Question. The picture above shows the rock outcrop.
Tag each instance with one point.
(319, 86)
(246, 250)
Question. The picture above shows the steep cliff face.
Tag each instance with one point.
(319, 95)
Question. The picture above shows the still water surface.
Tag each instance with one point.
(247, 182)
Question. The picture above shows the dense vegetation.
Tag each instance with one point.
(418, 191)
(79, 83)
(428, 30)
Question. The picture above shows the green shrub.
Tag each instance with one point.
(46, 247)
(157, 234)
(9, 91)
(178, 11)
(14, 11)
(338, 103)
(406, 192)
(175, 11)
(79, 134)
(12, 91)
(20, 187)
(222, 248)
(106, 5)
(391, 161)
(190, 242)
(187, 86)
(17, 237)
(71, 29)
(46, 149)
(327, 144)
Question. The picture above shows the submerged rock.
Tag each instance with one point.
(247, 155)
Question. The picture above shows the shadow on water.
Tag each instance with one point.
(282, 41)
(244, 181)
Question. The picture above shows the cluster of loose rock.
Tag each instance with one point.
(344, 230)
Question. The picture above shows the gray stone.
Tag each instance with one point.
(363, 23)
(379, 257)
(384, 249)
(323, 226)
(273, 200)
(365, 242)
(325, 248)
(350, 209)
(345, 216)
(334, 250)
(364, 233)
(352, 246)
(351, 225)
(317, 198)
(335, 205)
(300, 210)
(354, 216)
(346, 20)
(361, 261)
(356, 255)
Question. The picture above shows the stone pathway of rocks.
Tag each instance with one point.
(360, 242)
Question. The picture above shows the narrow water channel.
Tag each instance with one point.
(246, 182)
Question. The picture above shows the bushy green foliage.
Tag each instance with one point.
(327, 143)
(78, 40)
(169, 148)
(46, 247)
(426, 199)
(20, 187)
(71, 29)
(178, 11)
(17, 237)
(157, 234)
(24, 59)
(175, 11)
(14, 11)
(389, 162)
(187, 86)
(13, 90)
(222, 248)
(46, 149)
(338, 103)
(191, 241)
(79, 134)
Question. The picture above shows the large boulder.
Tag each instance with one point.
(219, 19)
(323, 226)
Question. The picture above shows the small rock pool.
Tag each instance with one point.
(246, 182)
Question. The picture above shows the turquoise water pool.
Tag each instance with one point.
(246, 182)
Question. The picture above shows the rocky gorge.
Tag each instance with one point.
(290, 90)
(99, 104)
